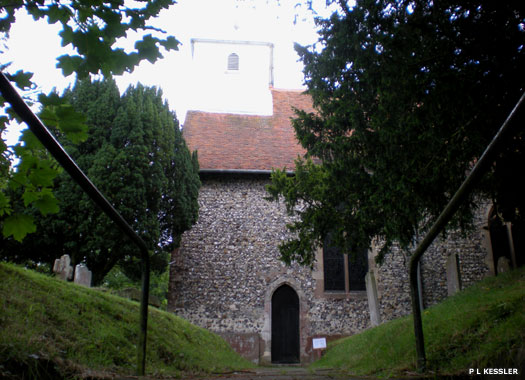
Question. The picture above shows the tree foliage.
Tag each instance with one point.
(136, 156)
(93, 30)
(408, 94)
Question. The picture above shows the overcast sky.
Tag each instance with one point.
(35, 46)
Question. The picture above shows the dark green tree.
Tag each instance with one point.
(136, 156)
(93, 30)
(62, 233)
(408, 94)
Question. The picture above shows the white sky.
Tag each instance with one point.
(34, 46)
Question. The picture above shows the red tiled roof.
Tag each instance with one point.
(231, 141)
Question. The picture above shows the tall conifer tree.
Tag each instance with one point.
(136, 156)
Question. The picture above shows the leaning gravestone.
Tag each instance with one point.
(503, 265)
(82, 275)
(62, 268)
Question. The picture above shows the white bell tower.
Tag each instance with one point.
(231, 76)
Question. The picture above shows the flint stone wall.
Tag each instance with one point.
(472, 251)
(220, 277)
(223, 275)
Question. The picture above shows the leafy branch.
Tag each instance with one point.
(93, 30)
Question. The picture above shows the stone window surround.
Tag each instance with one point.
(318, 275)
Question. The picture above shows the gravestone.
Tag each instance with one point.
(82, 275)
(63, 268)
(453, 274)
(503, 265)
(373, 303)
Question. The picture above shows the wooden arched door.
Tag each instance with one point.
(285, 325)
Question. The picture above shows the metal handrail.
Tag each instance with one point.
(53, 146)
(481, 166)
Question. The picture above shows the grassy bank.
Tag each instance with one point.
(481, 327)
(55, 329)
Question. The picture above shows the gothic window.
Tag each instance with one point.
(343, 272)
(334, 267)
(233, 62)
(357, 268)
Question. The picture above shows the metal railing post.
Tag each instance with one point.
(57, 151)
(466, 187)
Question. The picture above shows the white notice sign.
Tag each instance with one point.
(319, 343)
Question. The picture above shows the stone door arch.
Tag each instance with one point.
(285, 325)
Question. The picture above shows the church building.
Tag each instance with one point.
(227, 277)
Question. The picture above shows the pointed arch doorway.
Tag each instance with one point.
(285, 325)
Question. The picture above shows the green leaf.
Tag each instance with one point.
(36, 12)
(72, 123)
(48, 117)
(57, 13)
(53, 99)
(13, 115)
(5, 207)
(171, 43)
(30, 195)
(22, 79)
(84, 14)
(67, 35)
(31, 142)
(58, 114)
(47, 204)
(69, 64)
(43, 174)
(18, 226)
(148, 49)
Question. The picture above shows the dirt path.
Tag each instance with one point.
(263, 373)
(281, 373)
